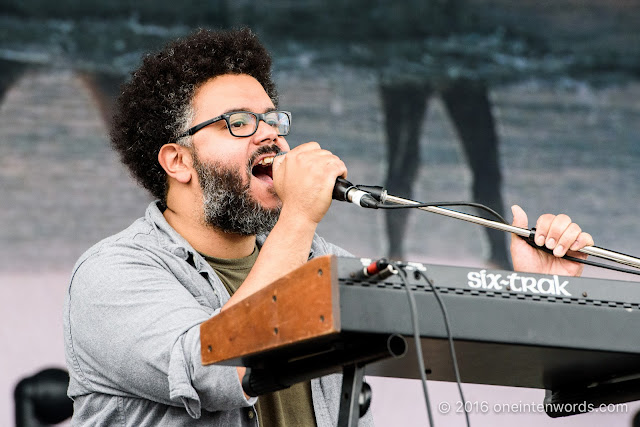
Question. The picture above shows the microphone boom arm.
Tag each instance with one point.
(522, 232)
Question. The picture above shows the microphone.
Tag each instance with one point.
(345, 191)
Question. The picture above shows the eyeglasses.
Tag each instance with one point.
(245, 123)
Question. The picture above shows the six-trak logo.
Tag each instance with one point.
(517, 283)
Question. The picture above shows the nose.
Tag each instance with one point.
(265, 134)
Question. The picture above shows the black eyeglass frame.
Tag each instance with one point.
(259, 117)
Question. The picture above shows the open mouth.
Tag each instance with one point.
(262, 168)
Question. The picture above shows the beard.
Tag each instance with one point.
(228, 204)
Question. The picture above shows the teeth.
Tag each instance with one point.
(266, 161)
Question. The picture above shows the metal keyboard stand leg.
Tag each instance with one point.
(352, 380)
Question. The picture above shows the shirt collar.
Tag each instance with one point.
(170, 239)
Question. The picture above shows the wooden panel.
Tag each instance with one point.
(303, 304)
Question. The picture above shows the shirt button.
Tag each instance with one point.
(180, 252)
(251, 414)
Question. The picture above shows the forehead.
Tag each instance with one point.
(231, 92)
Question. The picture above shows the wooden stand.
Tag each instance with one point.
(300, 306)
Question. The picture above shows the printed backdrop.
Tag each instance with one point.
(493, 101)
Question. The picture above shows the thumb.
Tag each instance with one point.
(278, 159)
(517, 244)
(519, 220)
(277, 163)
(519, 217)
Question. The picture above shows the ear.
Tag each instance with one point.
(176, 161)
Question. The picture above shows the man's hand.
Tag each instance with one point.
(304, 179)
(556, 232)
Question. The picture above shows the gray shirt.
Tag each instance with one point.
(132, 318)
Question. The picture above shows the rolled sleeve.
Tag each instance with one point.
(196, 386)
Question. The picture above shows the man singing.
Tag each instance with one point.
(198, 125)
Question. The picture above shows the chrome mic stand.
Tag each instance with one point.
(522, 232)
(373, 197)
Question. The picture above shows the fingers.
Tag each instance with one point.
(304, 180)
(323, 163)
(559, 234)
(584, 239)
(550, 228)
(519, 217)
(307, 146)
(311, 155)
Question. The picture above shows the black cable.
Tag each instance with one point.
(501, 219)
(599, 264)
(416, 336)
(583, 261)
(454, 358)
(378, 193)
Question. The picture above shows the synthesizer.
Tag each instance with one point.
(564, 334)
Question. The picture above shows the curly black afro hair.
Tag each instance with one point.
(154, 107)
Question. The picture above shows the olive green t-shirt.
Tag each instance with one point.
(285, 408)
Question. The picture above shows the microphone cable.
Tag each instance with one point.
(375, 197)
(529, 240)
